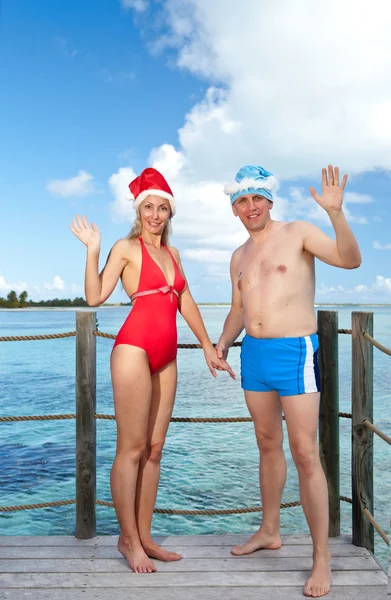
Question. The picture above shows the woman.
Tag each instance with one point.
(143, 359)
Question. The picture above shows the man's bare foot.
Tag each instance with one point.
(260, 540)
(155, 551)
(318, 583)
(137, 559)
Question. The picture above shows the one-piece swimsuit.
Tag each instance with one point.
(151, 323)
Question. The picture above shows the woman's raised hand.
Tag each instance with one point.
(90, 236)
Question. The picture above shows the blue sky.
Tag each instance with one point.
(93, 92)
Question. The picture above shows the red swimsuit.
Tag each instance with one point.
(151, 324)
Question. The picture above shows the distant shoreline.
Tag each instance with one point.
(201, 304)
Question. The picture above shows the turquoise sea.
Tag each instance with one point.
(204, 466)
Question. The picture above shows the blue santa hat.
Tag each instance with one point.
(251, 179)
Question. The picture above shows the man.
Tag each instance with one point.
(273, 287)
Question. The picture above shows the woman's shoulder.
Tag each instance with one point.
(127, 247)
(175, 252)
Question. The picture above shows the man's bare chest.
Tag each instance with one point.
(264, 267)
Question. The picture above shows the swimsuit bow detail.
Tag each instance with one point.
(168, 288)
(164, 290)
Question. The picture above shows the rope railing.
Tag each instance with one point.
(27, 338)
(112, 336)
(160, 511)
(345, 415)
(377, 344)
(200, 512)
(108, 417)
(34, 506)
(376, 430)
(10, 419)
(374, 523)
(95, 331)
(203, 512)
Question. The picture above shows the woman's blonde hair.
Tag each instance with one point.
(137, 228)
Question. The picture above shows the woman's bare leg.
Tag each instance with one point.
(163, 396)
(132, 389)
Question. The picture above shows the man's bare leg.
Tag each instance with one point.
(265, 409)
(302, 414)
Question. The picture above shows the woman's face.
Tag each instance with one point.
(154, 214)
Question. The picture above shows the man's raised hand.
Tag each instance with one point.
(332, 190)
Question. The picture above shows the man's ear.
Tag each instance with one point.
(270, 204)
(234, 210)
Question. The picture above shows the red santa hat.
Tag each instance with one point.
(150, 182)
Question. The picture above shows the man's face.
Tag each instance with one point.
(253, 210)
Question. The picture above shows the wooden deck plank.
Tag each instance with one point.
(61, 568)
(233, 539)
(63, 540)
(178, 540)
(193, 593)
(180, 579)
(97, 565)
(53, 552)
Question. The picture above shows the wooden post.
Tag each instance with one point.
(329, 412)
(362, 437)
(85, 425)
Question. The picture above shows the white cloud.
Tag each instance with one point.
(380, 287)
(56, 284)
(214, 272)
(207, 254)
(77, 289)
(354, 198)
(360, 288)
(277, 97)
(324, 289)
(137, 5)
(378, 246)
(80, 185)
(121, 209)
(6, 287)
(282, 95)
(383, 283)
(204, 221)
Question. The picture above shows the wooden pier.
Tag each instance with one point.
(65, 568)
(90, 567)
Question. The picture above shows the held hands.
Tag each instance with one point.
(332, 190)
(221, 350)
(214, 362)
(90, 236)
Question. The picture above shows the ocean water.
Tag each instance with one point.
(204, 465)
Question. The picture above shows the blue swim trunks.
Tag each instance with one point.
(287, 365)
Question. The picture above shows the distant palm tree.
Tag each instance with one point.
(23, 299)
(12, 300)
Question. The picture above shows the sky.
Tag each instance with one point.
(93, 92)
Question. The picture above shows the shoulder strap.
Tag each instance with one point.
(172, 258)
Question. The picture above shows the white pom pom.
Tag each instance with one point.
(129, 196)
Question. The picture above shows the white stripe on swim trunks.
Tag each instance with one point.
(309, 371)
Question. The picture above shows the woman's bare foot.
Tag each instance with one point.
(318, 583)
(155, 551)
(137, 559)
(260, 540)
